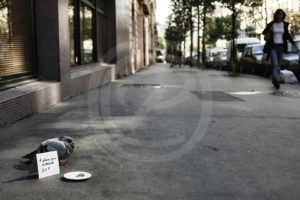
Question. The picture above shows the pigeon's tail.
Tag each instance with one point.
(31, 155)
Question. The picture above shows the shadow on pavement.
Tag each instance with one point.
(23, 178)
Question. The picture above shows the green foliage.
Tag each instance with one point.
(178, 21)
(256, 14)
(248, 3)
(4, 4)
(174, 35)
(294, 19)
(4, 21)
(250, 29)
(219, 28)
(160, 43)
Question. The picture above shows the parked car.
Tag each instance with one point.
(159, 56)
(192, 61)
(251, 60)
(220, 59)
(290, 60)
(196, 58)
(210, 56)
(241, 43)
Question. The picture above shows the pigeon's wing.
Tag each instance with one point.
(40, 149)
(59, 146)
(30, 156)
(55, 144)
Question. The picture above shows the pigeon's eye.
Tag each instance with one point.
(69, 141)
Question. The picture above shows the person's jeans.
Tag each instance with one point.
(276, 58)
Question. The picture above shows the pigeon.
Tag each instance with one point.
(64, 146)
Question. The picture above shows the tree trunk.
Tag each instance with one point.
(233, 56)
(203, 36)
(184, 42)
(266, 11)
(198, 36)
(191, 26)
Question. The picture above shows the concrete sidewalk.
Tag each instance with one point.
(179, 133)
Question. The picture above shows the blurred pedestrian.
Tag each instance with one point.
(172, 57)
(179, 57)
(169, 51)
(276, 35)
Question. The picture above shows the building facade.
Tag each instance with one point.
(142, 28)
(52, 50)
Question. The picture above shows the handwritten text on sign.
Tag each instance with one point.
(47, 164)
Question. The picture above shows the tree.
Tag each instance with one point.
(219, 28)
(183, 17)
(178, 20)
(256, 14)
(188, 10)
(174, 35)
(160, 43)
(208, 7)
(294, 19)
(235, 7)
(4, 4)
(5, 26)
(198, 35)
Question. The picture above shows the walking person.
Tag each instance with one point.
(172, 57)
(169, 52)
(179, 57)
(276, 35)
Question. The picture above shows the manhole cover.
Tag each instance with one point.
(286, 93)
(142, 85)
(216, 96)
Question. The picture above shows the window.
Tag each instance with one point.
(82, 31)
(88, 30)
(17, 52)
(258, 50)
(87, 41)
(223, 53)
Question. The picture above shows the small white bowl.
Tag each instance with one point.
(77, 175)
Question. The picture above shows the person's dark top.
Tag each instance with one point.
(169, 50)
(179, 53)
(286, 36)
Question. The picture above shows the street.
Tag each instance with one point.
(166, 133)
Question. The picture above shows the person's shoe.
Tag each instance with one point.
(276, 85)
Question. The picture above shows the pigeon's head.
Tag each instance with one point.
(69, 142)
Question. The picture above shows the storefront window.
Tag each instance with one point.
(82, 29)
(16, 38)
(86, 16)
(71, 32)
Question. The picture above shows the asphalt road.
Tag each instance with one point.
(166, 134)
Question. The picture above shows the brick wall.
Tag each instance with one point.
(19, 102)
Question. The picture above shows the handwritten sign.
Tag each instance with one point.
(47, 164)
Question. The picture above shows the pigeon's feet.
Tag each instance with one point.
(62, 163)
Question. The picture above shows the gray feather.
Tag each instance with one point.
(64, 146)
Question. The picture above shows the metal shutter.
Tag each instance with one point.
(16, 37)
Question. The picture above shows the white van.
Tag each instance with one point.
(211, 53)
(241, 43)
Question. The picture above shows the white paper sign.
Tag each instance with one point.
(47, 164)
